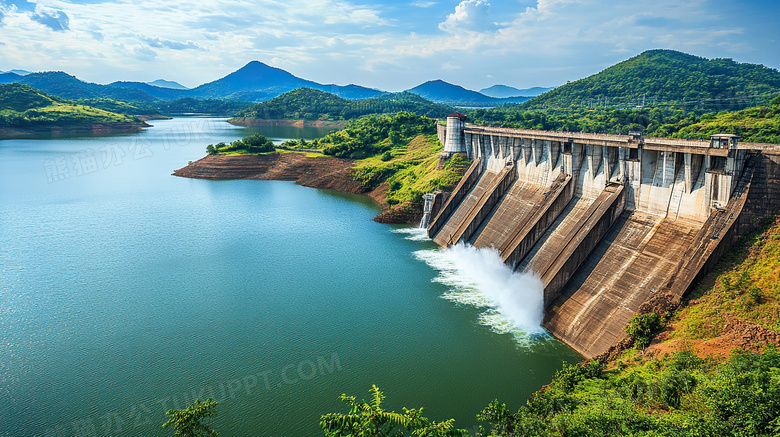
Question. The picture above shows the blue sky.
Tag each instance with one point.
(391, 45)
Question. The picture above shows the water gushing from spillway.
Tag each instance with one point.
(513, 301)
(426, 218)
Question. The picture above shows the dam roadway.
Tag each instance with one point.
(606, 221)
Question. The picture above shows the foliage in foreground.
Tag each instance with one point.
(252, 144)
(369, 419)
(679, 395)
(188, 422)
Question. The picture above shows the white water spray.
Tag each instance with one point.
(413, 234)
(513, 301)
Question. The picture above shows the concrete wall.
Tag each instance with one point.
(606, 220)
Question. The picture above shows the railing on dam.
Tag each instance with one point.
(630, 141)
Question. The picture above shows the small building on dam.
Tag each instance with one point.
(612, 224)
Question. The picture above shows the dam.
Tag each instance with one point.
(608, 222)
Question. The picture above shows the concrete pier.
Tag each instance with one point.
(605, 221)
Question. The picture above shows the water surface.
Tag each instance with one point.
(125, 291)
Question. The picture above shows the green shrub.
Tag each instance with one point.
(252, 144)
(643, 327)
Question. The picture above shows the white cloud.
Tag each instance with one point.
(144, 53)
(158, 42)
(386, 45)
(57, 21)
(469, 15)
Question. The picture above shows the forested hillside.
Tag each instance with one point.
(311, 104)
(667, 78)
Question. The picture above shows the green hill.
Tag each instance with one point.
(311, 104)
(24, 107)
(111, 105)
(759, 124)
(668, 78)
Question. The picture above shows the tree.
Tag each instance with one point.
(370, 420)
(643, 327)
(187, 422)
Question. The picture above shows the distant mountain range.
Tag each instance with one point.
(443, 92)
(254, 82)
(653, 78)
(19, 72)
(162, 83)
(501, 91)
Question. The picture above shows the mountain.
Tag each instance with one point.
(155, 91)
(311, 104)
(19, 72)
(253, 77)
(162, 83)
(257, 82)
(443, 92)
(69, 87)
(535, 91)
(9, 77)
(668, 78)
(351, 91)
(501, 91)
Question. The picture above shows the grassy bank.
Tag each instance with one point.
(23, 107)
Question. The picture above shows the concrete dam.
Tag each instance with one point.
(606, 221)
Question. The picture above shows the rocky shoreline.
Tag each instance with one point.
(92, 129)
(323, 172)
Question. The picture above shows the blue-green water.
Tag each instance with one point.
(125, 291)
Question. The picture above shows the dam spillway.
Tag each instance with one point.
(606, 221)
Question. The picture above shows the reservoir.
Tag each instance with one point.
(125, 291)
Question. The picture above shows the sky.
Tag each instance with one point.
(389, 45)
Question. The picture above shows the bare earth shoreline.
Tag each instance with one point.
(323, 172)
(95, 129)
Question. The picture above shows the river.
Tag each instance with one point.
(125, 291)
